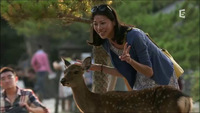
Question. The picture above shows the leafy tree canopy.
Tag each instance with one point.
(34, 17)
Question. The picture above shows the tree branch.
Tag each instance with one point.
(74, 18)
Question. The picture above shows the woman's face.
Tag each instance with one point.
(103, 26)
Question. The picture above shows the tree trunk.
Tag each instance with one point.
(112, 83)
(29, 45)
(100, 80)
(33, 41)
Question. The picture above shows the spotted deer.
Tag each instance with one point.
(161, 99)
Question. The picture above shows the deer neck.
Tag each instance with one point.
(81, 88)
(81, 94)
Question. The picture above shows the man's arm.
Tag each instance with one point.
(34, 109)
(33, 62)
(34, 105)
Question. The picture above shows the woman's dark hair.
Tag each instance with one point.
(119, 29)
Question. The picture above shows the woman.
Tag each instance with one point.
(132, 54)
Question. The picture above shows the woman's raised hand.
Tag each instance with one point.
(125, 55)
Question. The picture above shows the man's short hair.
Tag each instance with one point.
(6, 69)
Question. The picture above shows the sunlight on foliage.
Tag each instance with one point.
(29, 17)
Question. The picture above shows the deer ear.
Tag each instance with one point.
(87, 63)
(67, 63)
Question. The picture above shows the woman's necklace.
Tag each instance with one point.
(116, 49)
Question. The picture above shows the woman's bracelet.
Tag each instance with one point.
(101, 68)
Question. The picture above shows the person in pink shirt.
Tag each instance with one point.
(40, 64)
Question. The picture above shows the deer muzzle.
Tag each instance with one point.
(63, 81)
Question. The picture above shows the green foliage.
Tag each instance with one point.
(17, 11)
(159, 4)
(48, 27)
(34, 18)
(76, 36)
(195, 87)
(68, 11)
(193, 78)
(43, 17)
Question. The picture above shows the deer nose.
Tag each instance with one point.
(63, 81)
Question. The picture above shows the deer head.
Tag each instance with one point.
(73, 73)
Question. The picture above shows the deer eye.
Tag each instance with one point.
(75, 72)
